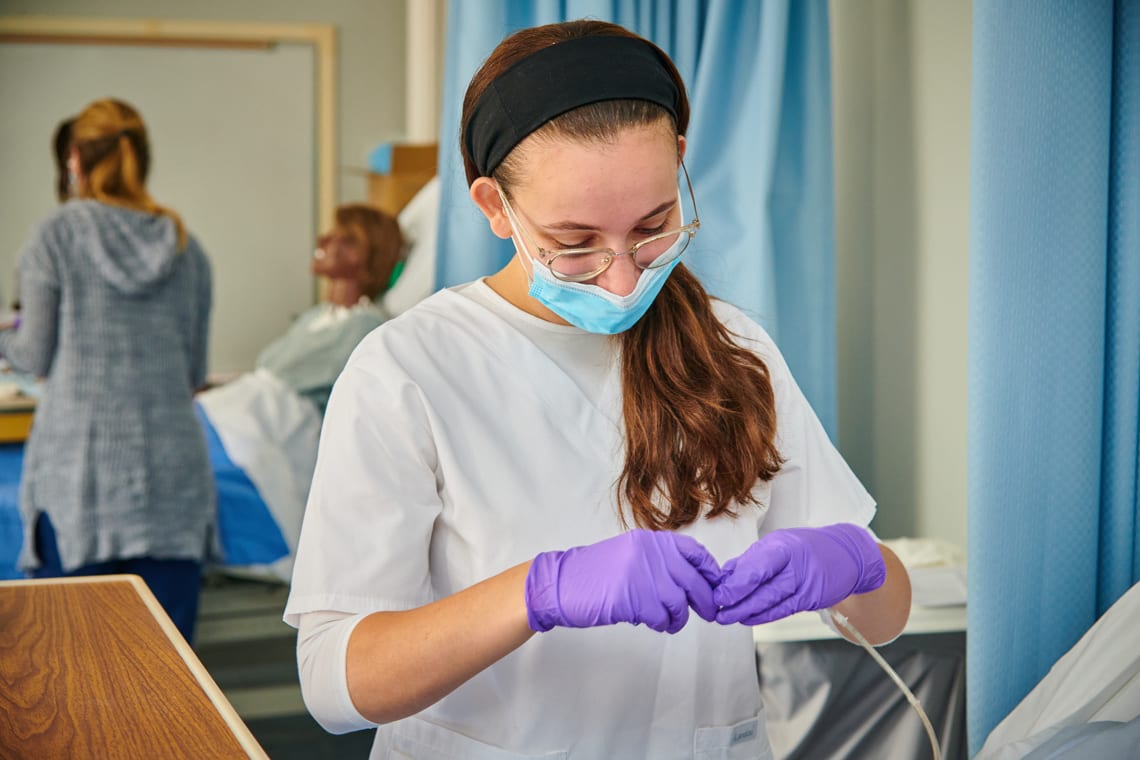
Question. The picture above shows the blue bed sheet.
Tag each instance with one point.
(11, 526)
(248, 533)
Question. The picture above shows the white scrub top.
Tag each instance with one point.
(454, 448)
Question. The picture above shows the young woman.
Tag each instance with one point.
(115, 303)
(528, 483)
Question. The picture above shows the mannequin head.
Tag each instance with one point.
(359, 253)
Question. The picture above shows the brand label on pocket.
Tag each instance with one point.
(744, 732)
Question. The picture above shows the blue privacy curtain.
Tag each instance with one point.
(759, 156)
(1054, 335)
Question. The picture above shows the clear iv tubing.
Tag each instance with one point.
(841, 620)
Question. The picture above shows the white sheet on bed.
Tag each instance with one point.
(1098, 680)
(272, 434)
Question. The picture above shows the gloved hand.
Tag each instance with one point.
(650, 577)
(788, 571)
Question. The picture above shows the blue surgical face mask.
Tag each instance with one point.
(590, 307)
(593, 308)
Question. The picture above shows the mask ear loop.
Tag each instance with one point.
(521, 251)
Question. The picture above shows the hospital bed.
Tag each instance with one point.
(1088, 704)
(262, 443)
(251, 533)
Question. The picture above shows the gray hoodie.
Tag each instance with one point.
(115, 318)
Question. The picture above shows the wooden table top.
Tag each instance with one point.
(93, 667)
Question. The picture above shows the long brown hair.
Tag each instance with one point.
(699, 410)
(380, 233)
(114, 154)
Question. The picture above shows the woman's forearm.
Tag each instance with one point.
(880, 615)
(399, 663)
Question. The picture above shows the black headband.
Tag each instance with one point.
(558, 79)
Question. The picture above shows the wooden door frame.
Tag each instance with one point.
(211, 34)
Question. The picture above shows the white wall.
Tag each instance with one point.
(901, 79)
(423, 70)
(267, 188)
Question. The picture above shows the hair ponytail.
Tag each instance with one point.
(699, 412)
(114, 154)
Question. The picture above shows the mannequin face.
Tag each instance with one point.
(340, 254)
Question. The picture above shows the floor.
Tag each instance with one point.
(251, 655)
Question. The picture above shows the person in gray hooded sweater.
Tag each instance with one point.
(115, 298)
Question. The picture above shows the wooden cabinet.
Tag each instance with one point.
(412, 167)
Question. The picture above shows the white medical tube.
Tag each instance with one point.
(841, 620)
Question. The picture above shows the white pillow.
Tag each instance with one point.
(419, 222)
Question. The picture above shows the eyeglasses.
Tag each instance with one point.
(583, 264)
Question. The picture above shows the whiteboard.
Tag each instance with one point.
(232, 151)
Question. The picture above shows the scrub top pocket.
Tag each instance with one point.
(415, 739)
(746, 740)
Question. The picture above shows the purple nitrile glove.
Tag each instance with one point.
(643, 576)
(788, 571)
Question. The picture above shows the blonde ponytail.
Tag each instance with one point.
(114, 154)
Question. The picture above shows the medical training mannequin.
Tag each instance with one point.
(268, 421)
(357, 257)
(548, 504)
(115, 303)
